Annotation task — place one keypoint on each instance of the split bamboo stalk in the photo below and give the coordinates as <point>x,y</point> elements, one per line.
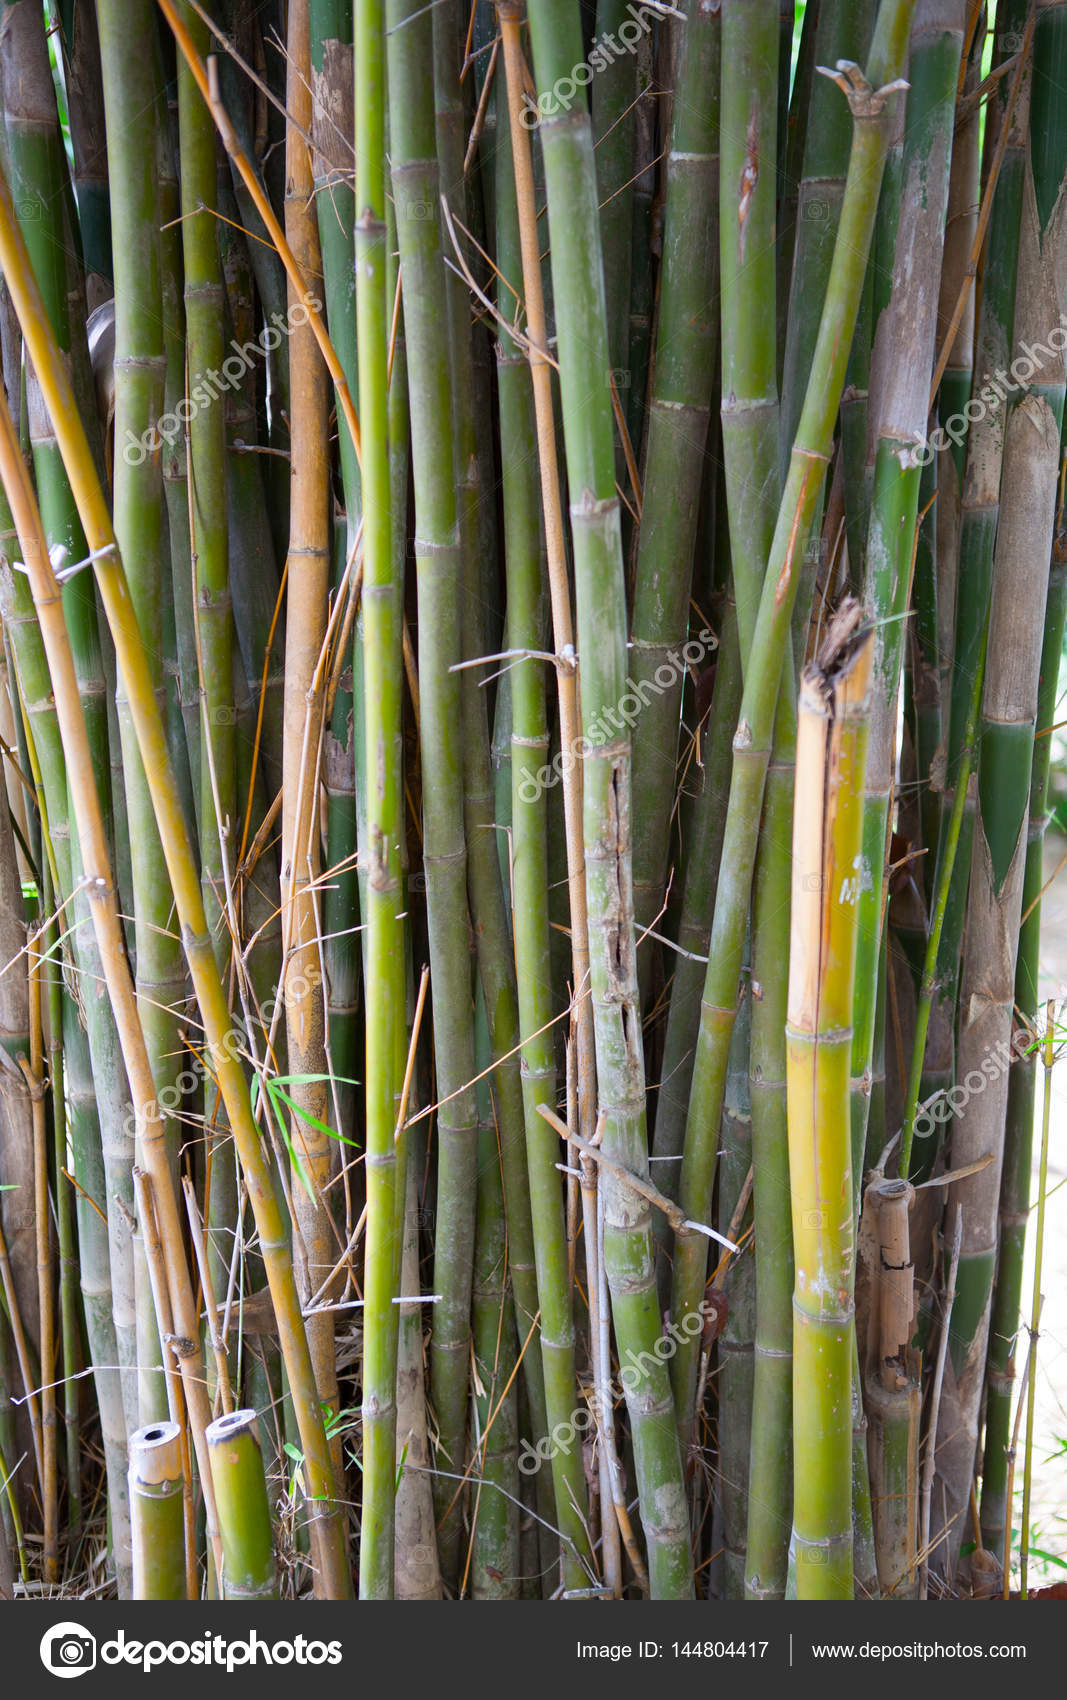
<point>831,752</point>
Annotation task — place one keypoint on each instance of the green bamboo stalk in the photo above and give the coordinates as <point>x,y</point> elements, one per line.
<point>82,62</point>
<point>156,1501</point>
<point>613,100</point>
<point>244,1515</point>
<point>902,357</point>
<point>332,127</point>
<point>67,1249</point>
<point>752,745</point>
<point>707,825</point>
<point>1022,1083</point>
<point>527,611</point>
<point>1009,707</point>
<point>679,410</point>
<point>583,356</point>
<point>415,179</point>
<point>494,1552</point>
<point>735,1345</point>
<point>129,91</point>
<point>831,753</point>
<point>384,953</point>
<point>770,1461</point>
<point>978,518</point>
<point>842,31</point>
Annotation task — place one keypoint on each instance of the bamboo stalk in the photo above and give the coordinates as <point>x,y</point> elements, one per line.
<point>157,1513</point>
<point>384,953</point>
<point>1009,706</point>
<point>586,403</point>
<point>244,1516</point>
<point>679,410</point>
<point>831,753</point>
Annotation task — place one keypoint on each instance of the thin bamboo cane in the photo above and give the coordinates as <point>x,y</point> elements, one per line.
<point>1048,1058</point>
<point>208,987</point>
<point>437,557</point>
<point>519,386</point>
<point>308,572</point>
<point>679,410</point>
<point>33,1069</point>
<point>384,954</point>
<point>752,744</point>
<point>831,753</point>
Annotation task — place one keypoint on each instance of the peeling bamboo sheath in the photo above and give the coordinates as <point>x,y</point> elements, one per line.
<point>833,722</point>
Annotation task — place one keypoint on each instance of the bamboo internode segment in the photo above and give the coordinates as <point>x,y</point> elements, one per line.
<point>157,1514</point>
<point>833,719</point>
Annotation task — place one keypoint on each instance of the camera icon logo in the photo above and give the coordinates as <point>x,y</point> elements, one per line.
<point>68,1650</point>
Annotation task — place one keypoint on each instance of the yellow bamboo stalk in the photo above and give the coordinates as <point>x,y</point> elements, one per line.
<point>827,827</point>
<point>308,571</point>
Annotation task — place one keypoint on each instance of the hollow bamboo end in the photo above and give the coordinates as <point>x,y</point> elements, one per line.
<point>155,1454</point>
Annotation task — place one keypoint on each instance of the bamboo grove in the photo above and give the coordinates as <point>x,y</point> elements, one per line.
<point>532,581</point>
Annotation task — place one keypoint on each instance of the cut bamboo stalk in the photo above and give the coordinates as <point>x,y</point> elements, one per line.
<point>892,1394</point>
<point>244,1515</point>
<point>831,753</point>
<point>156,1512</point>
